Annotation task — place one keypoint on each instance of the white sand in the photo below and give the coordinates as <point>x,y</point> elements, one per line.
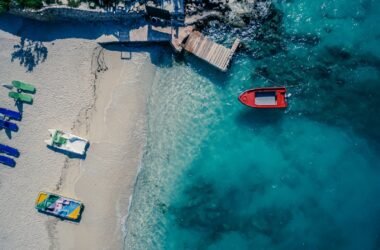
<point>117,135</point>
<point>68,89</point>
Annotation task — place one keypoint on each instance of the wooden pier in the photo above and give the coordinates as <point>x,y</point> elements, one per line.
<point>181,38</point>
<point>209,51</point>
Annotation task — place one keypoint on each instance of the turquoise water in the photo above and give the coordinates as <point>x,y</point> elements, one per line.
<point>217,175</point>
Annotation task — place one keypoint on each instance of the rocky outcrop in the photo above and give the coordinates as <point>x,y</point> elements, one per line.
<point>233,12</point>
<point>237,13</point>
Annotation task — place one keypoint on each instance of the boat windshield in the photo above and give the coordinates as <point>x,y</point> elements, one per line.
<point>265,98</point>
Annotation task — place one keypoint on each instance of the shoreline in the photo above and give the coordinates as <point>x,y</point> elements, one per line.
<point>114,156</point>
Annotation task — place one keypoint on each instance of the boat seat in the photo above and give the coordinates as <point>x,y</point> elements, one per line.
<point>58,139</point>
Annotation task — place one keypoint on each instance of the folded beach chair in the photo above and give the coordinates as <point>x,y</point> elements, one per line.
<point>11,114</point>
<point>7,161</point>
<point>8,125</point>
<point>24,86</point>
<point>21,97</point>
<point>9,150</point>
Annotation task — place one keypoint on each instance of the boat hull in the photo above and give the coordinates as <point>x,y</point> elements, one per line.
<point>56,205</point>
<point>68,142</point>
<point>264,98</point>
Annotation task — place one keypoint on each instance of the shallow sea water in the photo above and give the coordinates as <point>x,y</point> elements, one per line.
<point>218,175</point>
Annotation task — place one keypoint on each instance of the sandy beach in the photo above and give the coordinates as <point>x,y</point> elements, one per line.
<point>117,134</point>
<point>90,91</point>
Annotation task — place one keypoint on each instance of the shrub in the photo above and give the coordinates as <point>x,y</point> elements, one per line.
<point>33,4</point>
<point>4,5</point>
<point>92,5</point>
<point>73,3</point>
<point>49,1</point>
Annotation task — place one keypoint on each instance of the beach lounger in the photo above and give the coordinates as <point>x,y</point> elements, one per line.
<point>11,114</point>
<point>24,86</point>
<point>21,97</point>
<point>7,161</point>
<point>8,125</point>
<point>9,150</point>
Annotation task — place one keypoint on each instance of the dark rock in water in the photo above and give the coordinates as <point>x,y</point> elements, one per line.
<point>236,21</point>
<point>340,82</point>
<point>200,25</point>
<point>235,14</point>
<point>339,53</point>
<point>162,207</point>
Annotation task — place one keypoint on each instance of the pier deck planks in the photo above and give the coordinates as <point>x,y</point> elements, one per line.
<point>211,52</point>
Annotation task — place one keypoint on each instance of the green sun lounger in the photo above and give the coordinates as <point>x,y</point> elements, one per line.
<point>21,97</point>
<point>24,86</point>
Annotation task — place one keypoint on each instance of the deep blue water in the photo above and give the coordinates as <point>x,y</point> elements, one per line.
<point>218,175</point>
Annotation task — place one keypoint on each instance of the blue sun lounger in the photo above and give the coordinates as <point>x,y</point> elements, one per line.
<point>8,125</point>
<point>9,150</point>
<point>7,161</point>
<point>11,114</point>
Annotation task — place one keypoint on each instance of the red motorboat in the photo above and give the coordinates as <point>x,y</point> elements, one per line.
<point>264,98</point>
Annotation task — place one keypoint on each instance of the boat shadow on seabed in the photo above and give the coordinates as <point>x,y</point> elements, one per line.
<point>71,155</point>
<point>256,118</point>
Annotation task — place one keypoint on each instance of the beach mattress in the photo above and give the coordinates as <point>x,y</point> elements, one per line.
<point>9,150</point>
<point>7,161</point>
<point>11,114</point>
<point>8,125</point>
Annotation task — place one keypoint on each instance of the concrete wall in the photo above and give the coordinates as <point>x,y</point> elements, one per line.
<point>63,13</point>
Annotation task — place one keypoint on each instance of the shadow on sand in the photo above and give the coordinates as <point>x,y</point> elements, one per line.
<point>53,30</point>
<point>29,53</point>
<point>161,54</point>
<point>65,219</point>
<point>20,108</point>
<point>71,155</point>
<point>8,133</point>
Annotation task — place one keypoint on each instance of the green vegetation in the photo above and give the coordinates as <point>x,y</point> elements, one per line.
<point>33,4</point>
<point>4,5</point>
<point>73,3</point>
<point>49,1</point>
<point>92,5</point>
